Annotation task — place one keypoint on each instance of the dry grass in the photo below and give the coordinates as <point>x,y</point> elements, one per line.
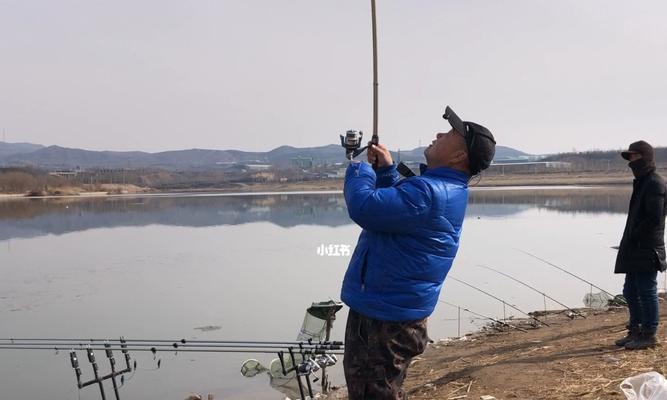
<point>571,359</point>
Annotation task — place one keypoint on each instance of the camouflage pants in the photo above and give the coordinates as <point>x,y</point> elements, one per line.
<point>378,354</point>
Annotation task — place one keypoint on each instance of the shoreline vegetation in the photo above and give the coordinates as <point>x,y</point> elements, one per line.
<point>62,188</point>
<point>66,172</point>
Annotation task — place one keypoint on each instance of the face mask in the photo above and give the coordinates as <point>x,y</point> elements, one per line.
<point>640,167</point>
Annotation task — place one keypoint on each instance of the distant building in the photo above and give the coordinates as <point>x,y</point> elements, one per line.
<point>302,162</point>
<point>69,173</point>
<point>258,167</point>
<point>245,167</point>
<point>529,167</point>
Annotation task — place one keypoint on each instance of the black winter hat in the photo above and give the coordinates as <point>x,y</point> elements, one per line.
<point>480,142</point>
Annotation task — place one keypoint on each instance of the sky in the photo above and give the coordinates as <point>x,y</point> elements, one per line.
<point>154,75</point>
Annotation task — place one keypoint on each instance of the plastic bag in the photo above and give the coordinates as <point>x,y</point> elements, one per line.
<point>646,386</point>
<point>597,301</point>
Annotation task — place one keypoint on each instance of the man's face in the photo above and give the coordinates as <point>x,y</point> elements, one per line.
<point>445,148</point>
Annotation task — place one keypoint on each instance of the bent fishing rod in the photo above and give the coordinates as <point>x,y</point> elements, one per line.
<point>497,321</point>
<point>532,288</point>
<point>564,270</point>
<point>499,299</point>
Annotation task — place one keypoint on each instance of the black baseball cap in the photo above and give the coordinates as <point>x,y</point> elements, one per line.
<point>640,147</point>
<point>480,142</point>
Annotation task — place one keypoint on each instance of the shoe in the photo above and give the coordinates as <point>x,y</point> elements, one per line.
<point>644,341</point>
<point>633,333</point>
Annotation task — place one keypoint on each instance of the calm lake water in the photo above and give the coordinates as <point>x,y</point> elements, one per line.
<point>162,266</point>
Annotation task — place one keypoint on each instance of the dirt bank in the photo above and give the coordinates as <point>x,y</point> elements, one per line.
<point>571,359</point>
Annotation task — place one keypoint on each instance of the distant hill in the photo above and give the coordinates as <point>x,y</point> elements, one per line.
<point>9,149</point>
<point>503,153</point>
<point>507,153</point>
<point>25,154</point>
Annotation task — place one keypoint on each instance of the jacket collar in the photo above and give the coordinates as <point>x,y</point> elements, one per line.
<point>444,172</point>
<point>643,176</point>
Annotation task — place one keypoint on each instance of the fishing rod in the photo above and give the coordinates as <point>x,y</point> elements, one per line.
<point>304,343</point>
<point>497,321</point>
<point>171,347</point>
<point>534,289</point>
<point>375,139</point>
<point>164,345</point>
<point>564,270</point>
<point>313,355</point>
<point>167,345</point>
<point>499,299</point>
<point>154,350</point>
<point>352,139</point>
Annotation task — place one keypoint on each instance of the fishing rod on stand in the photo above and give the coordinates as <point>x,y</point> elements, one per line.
<point>307,357</point>
<point>504,302</point>
<point>486,317</point>
<point>544,295</point>
<point>592,285</point>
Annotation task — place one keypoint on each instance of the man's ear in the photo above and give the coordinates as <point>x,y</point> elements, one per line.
<point>460,157</point>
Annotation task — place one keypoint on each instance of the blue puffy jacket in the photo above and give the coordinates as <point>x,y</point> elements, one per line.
<point>410,236</point>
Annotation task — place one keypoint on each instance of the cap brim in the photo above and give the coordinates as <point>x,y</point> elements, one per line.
<point>627,154</point>
<point>455,121</point>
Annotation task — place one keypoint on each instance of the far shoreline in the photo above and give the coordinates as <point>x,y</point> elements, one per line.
<point>563,181</point>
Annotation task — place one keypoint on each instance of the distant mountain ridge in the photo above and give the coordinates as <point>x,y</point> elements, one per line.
<point>53,157</point>
<point>8,149</point>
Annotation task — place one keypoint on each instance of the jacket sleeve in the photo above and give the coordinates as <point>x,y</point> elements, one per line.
<point>386,176</point>
<point>654,204</point>
<point>397,209</point>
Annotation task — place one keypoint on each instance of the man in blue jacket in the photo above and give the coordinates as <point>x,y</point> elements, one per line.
<point>410,236</point>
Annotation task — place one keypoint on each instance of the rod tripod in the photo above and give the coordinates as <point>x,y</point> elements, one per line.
<point>99,380</point>
<point>308,364</point>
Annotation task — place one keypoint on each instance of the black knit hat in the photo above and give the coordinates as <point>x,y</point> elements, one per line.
<point>480,142</point>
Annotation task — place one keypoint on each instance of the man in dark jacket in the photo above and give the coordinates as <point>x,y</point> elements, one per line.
<point>410,236</point>
<point>641,253</point>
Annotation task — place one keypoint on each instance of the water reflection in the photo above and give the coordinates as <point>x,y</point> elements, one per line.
<point>35,217</point>
<point>595,200</point>
<point>25,218</point>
